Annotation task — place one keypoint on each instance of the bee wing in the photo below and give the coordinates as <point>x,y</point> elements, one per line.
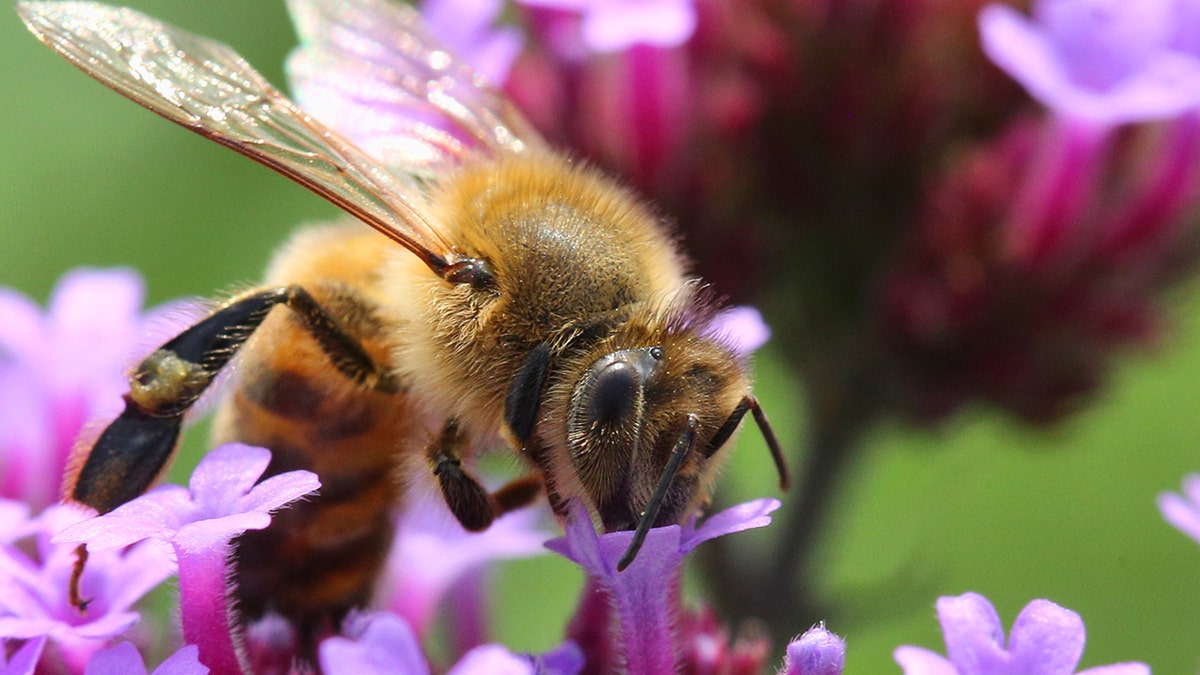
<point>373,69</point>
<point>205,86</point>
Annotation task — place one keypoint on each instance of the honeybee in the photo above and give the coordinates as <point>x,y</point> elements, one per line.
<point>532,303</point>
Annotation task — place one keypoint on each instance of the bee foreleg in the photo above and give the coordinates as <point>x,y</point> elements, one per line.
<point>525,393</point>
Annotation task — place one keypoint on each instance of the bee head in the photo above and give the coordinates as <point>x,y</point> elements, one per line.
<point>645,427</point>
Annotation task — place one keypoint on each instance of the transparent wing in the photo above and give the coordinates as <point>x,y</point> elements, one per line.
<point>205,86</point>
<point>373,69</point>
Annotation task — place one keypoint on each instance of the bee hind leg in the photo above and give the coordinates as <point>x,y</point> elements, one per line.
<point>470,502</point>
<point>133,450</point>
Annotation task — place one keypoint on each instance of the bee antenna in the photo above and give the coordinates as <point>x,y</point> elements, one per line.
<point>683,448</point>
<point>748,404</point>
<point>768,434</point>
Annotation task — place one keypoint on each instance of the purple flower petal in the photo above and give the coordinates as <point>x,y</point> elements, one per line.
<point>34,583</point>
<point>124,659</point>
<point>921,661</point>
<point>1047,638</point>
<point>972,630</point>
<point>468,28</point>
<point>186,661</point>
<point>498,660</point>
<point>745,516</point>
<point>565,659</point>
<point>492,659</point>
<point>817,652</point>
<point>1104,60</point>
<point>614,25</point>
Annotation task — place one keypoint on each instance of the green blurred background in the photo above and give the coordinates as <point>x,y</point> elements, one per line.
<point>1067,514</point>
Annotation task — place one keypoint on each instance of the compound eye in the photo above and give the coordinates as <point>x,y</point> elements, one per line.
<point>614,394</point>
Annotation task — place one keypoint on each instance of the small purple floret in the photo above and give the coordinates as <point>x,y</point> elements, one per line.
<point>1183,511</point>
<point>223,499</point>
<point>1045,640</point>
<point>383,643</point>
<point>615,25</point>
<point>34,581</point>
<point>644,595</point>
<point>66,366</point>
<point>1110,61</point>
<point>742,327</point>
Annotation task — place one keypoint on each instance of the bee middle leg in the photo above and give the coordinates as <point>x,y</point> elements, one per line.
<point>471,503</point>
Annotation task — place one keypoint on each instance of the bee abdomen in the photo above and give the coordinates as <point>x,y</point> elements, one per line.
<point>320,557</point>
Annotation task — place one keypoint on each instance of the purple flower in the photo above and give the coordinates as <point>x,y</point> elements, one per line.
<point>1110,61</point>
<point>427,531</point>
<point>742,328</point>
<point>1183,511</point>
<point>223,499</point>
<point>383,643</point>
<point>34,586</point>
<point>468,28</point>
<point>817,652</point>
<point>644,596</point>
<point>615,25</point>
<point>124,659</point>
<point>1046,640</point>
<point>64,367</point>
